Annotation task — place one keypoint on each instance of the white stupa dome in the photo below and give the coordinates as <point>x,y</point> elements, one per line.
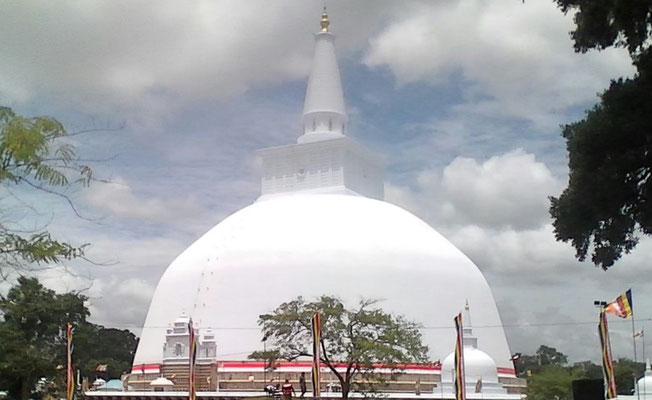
<point>480,371</point>
<point>645,383</point>
<point>477,365</point>
<point>320,228</point>
<point>313,244</point>
<point>161,382</point>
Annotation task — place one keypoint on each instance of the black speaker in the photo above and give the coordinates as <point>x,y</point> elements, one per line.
<point>588,389</point>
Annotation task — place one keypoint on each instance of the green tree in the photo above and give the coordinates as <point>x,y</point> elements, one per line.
<point>551,381</point>
<point>32,342</point>
<point>96,346</point>
<point>602,24</point>
<point>270,357</point>
<point>627,372</point>
<point>550,356</point>
<point>35,153</point>
<point>526,363</point>
<point>358,340</point>
<point>545,355</point>
<point>588,369</point>
<point>607,204</point>
<point>32,339</point>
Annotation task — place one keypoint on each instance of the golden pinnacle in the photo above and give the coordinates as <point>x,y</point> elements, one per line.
<point>324,21</point>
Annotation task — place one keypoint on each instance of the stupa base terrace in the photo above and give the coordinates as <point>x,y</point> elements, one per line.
<point>246,379</point>
<point>248,395</point>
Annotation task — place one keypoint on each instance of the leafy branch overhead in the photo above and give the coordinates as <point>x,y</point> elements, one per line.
<point>602,24</point>
<point>29,151</point>
<point>354,341</point>
<point>608,202</point>
<point>36,153</point>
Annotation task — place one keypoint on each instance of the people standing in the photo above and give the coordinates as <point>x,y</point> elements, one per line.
<point>287,390</point>
<point>277,392</point>
<point>302,384</point>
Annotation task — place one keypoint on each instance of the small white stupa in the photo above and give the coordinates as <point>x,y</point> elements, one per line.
<point>161,384</point>
<point>481,377</point>
<point>644,385</point>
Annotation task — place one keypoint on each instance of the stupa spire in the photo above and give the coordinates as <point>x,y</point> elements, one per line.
<point>324,114</point>
<point>469,339</point>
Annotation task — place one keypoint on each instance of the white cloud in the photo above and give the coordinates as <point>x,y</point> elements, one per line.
<point>118,198</point>
<point>509,190</point>
<point>516,59</point>
<point>130,55</point>
<point>132,254</point>
<point>123,303</point>
<point>496,212</point>
<point>516,253</point>
<point>134,51</point>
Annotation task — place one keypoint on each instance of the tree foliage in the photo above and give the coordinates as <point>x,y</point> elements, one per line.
<point>608,201</point>
<point>109,348</point>
<point>550,356</point>
<point>626,373</point>
<point>270,357</point>
<point>549,376</point>
<point>604,23</point>
<point>35,154</point>
<point>589,370</point>
<point>31,335</point>
<point>544,355</point>
<point>354,341</point>
<point>551,382</point>
<point>32,338</point>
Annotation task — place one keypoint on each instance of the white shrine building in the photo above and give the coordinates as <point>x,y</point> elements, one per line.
<point>319,227</point>
<point>643,387</point>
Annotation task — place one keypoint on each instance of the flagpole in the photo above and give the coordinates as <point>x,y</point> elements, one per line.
<point>638,392</point>
<point>463,360</point>
<point>643,336</point>
<point>316,355</point>
<point>605,376</point>
<point>70,376</point>
<point>460,378</point>
<point>192,358</point>
<point>644,359</point>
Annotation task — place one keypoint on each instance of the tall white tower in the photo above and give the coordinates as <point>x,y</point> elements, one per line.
<point>324,160</point>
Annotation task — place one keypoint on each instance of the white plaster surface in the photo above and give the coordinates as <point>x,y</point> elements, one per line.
<point>324,114</point>
<point>313,244</point>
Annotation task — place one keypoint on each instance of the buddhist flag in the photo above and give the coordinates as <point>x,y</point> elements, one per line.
<point>316,340</point>
<point>70,376</point>
<point>607,364</point>
<point>192,356</point>
<point>622,306</point>
<point>460,390</point>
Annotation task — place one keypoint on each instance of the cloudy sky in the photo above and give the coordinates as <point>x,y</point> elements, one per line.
<point>463,98</point>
